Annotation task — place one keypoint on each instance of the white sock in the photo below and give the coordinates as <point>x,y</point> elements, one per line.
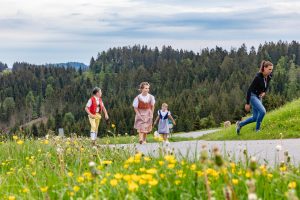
<point>93,135</point>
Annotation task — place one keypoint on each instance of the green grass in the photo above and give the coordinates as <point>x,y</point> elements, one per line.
<point>60,169</point>
<point>134,139</point>
<point>281,123</point>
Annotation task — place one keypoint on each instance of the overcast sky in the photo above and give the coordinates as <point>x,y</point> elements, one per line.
<point>51,31</point>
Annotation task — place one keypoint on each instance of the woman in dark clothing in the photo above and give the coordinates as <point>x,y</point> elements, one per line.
<point>256,92</point>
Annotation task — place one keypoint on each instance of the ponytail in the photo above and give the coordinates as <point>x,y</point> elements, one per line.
<point>264,64</point>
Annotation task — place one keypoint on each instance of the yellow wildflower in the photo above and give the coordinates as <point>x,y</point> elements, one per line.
<point>193,167</point>
<point>142,182</point>
<point>106,162</point>
<point>132,186</point>
<point>171,166</point>
<point>80,179</point>
<point>76,188</point>
<point>153,182</point>
<point>44,189</point>
<point>162,176</point>
<point>70,174</point>
<point>118,176</point>
<point>177,182</point>
<point>146,158</point>
<point>151,171</point>
<point>292,185</point>
<point>113,182</point>
<point>103,181</point>
<point>25,190</point>
<point>135,177</point>
<point>11,197</point>
<point>235,181</point>
<point>161,163</point>
<point>20,142</point>
<point>126,177</point>
<point>15,137</point>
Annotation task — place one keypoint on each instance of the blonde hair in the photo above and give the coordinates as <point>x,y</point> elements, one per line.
<point>264,64</point>
<point>164,104</point>
<point>142,85</point>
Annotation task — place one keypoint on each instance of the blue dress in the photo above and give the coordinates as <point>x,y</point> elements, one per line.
<point>163,125</point>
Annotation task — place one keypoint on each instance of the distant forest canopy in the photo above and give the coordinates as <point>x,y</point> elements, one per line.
<point>202,89</point>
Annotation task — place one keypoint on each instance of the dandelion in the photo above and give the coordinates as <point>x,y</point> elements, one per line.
<point>153,182</point>
<point>70,174</point>
<point>171,166</point>
<point>151,171</point>
<point>20,142</point>
<point>135,177</point>
<point>132,186</point>
<point>235,181</point>
<point>162,176</point>
<point>80,179</point>
<point>161,163</point>
<point>44,189</point>
<point>15,137</point>
<point>142,169</point>
<point>113,182</point>
<point>193,167</point>
<point>71,194</point>
<point>11,198</point>
<point>147,159</point>
<point>76,188</point>
<point>292,185</point>
<point>177,182</point>
<point>106,162</point>
<point>113,125</point>
<point>270,176</point>
<point>142,182</point>
<point>127,177</point>
<point>25,190</point>
<point>118,176</point>
<point>103,181</point>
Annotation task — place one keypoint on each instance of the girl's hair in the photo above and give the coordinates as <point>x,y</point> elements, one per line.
<point>264,64</point>
<point>96,90</point>
<point>142,85</point>
<point>164,104</point>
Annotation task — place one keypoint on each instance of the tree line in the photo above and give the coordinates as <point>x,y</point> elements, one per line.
<point>202,89</point>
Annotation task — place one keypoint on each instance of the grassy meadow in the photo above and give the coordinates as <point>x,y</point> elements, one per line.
<point>71,168</point>
<point>277,124</point>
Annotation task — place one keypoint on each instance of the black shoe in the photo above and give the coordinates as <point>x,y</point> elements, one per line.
<point>238,128</point>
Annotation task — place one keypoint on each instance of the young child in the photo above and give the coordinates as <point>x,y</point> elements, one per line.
<point>144,107</point>
<point>163,126</point>
<point>94,108</point>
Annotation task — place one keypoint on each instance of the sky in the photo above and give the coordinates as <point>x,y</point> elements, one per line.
<point>54,31</point>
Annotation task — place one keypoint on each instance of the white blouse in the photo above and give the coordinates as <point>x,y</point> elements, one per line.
<point>146,99</point>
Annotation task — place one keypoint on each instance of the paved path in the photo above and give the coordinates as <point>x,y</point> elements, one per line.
<point>195,134</point>
<point>264,150</point>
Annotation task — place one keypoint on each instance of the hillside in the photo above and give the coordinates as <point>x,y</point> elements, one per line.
<point>202,89</point>
<point>283,122</point>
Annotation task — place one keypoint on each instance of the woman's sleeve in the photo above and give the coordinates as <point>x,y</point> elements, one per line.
<point>251,88</point>
<point>135,102</point>
<point>153,101</point>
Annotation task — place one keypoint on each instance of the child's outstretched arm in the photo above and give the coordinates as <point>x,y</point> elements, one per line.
<point>105,113</point>
<point>155,120</point>
<point>173,121</point>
